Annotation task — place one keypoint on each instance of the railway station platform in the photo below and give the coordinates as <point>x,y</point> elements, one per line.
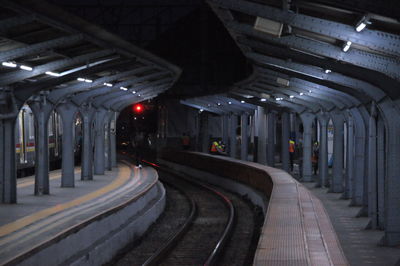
<point>87,224</point>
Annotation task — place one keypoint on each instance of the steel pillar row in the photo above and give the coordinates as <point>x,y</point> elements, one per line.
<point>285,141</point>
<point>8,169</point>
<point>244,151</point>
<point>232,136</point>
<point>88,114</point>
<point>307,119</point>
<point>350,158</point>
<point>338,140</point>
<point>99,144</point>
<point>323,178</point>
<point>271,117</point>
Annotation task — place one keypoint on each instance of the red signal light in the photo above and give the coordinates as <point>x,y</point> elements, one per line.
<point>138,108</point>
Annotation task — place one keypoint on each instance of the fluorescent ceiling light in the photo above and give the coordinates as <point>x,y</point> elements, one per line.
<point>88,80</point>
<point>9,64</point>
<point>201,110</point>
<point>53,74</point>
<point>134,92</point>
<point>310,91</point>
<point>361,26</point>
<point>346,47</point>
<point>218,104</point>
<point>138,95</point>
<point>27,68</point>
<point>279,99</point>
<point>242,101</point>
<point>80,79</point>
<point>107,84</point>
<point>263,100</point>
<point>123,88</point>
<point>291,96</point>
<point>229,102</point>
<point>301,94</point>
<point>327,71</point>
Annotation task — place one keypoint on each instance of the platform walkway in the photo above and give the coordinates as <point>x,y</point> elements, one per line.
<point>359,245</point>
<point>36,222</point>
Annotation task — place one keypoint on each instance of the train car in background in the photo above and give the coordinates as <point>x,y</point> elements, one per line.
<point>25,140</point>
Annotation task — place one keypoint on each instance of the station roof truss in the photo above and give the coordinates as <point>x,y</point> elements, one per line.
<point>45,50</point>
<point>313,57</point>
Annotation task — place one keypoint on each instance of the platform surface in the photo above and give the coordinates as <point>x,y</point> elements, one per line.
<point>359,245</point>
<point>37,219</point>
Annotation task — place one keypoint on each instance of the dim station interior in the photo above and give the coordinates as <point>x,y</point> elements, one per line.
<point>199,132</point>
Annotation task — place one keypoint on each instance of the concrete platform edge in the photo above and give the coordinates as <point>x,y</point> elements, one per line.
<point>99,241</point>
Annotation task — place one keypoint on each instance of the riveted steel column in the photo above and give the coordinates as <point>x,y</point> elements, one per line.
<point>232,136</point>
<point>99,156</point>
<point>349,158</point>
<point>67,112</point>
<point>225,129</point>
<point>322,180</point>
<point>262,136</point>
<point>359,162</point>
<point>113,141</point>
<point>87,145</point>
<point>392,186</point>
<point>41,110</point>
<point>8,178</point>
<point>381,158</point>
<point>271,139</point>
<point>338,140</point>
<point>244,151</point>
<point>109,122</point>
<point>285,141</point>
<point>372,189</point>
<point>307,119</point>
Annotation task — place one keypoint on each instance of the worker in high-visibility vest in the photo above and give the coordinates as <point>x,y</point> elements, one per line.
<point>217,148</point>
<point>291,153</point>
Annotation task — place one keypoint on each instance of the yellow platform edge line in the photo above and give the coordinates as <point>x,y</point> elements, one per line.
<point>124,174</point>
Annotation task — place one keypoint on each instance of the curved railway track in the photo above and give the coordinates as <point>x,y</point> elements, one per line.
<point>201,230</point>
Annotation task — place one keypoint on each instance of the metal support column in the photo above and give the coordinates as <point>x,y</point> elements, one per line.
<point>322,180</point>
<point>245,137</point>
<point>372,189</point>
<point>338,155</point>
<point>113,140</point>
<point>232,136</point>
<point>285,141</point>
<point>381,171</point>
<point>67,111</point>
<point>262,136</point>
<point>348,187</point>
<point>99,150</point>
<point>225,129</point>
<point>271,139</point>
<point>8,174</point>
<point>307,119</point>
<point>359,162</point>
<point>87,113</point>
<point>41,109</point>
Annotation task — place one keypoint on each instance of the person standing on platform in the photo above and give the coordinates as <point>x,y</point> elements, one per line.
<point>291,153</point>
<point>185,141</point>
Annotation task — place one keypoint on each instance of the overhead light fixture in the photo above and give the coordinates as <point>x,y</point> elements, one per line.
<point>268,26</point>
<point>279,99</point>
<point>310,91</point>
<point>134,92</point>
<point>283,82</point>
<point>242,101</point>
<point>362,23</point>
<point>138,95</point>
<point>346,46</point>
<point>107,84</point>
<point>9,64</point>
<point>327,71</point>
<point>88,80</point>
<point>229,102</point>
<point>27,68</point>
<point>201,110</point>
<point>123,88</point>
<point>80,79</point>
<point>361,26</point>
<point>291,96</point>
<point>301,94</point>
<point>53,74</point>
<point>263,100</point>
<point>218,104</point>
<point>208,105</point>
